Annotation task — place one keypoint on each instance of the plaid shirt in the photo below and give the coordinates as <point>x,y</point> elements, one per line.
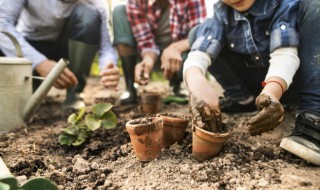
<point>143,16</point>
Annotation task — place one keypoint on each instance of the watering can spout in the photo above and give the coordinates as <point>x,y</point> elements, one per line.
<point>37,97</point>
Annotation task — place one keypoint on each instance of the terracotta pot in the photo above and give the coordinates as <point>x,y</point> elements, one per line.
<point>174,128</point>
<point>205,144</point>
<point>151,102</point>
<point>146,137</point>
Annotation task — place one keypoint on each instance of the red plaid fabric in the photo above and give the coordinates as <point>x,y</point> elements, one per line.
<point>143,16</point>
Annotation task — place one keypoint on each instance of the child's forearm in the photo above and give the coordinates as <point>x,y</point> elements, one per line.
<point>274,86</point>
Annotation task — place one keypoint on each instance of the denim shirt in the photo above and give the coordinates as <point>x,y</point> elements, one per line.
<point>266,26</point>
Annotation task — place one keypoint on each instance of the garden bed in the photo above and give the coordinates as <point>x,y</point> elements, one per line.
<point>107,161</point>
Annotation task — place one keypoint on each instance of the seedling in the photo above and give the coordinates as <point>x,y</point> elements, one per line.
<point>79,129</point>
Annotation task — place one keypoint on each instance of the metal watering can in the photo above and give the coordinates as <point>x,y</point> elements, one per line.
<point>17,103</point>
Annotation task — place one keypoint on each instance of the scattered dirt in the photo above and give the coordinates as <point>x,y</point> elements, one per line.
<point>107,161</point>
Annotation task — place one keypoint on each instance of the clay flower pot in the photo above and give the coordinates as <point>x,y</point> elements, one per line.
<point>174,128</point>
<point>146,137</point>
<point>151,102</point>
<point>205,144</point>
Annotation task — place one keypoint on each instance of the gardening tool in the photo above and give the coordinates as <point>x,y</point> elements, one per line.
<point>9,182</point>
<point>17,103</point>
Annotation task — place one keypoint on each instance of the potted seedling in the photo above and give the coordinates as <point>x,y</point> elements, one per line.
<point>80,128</point>
<point>209,133</point>
<point>174,127</point>
<point>146,137</point>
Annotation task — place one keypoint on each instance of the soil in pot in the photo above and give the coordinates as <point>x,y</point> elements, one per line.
<point>146,137</point>
<point>209,133</point>
<point>174,128</point>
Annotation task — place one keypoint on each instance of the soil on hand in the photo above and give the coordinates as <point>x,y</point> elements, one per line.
<point>107,161</point>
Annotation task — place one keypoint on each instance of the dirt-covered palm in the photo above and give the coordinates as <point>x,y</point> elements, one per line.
<point>205,116</point>
<point>268,118</point>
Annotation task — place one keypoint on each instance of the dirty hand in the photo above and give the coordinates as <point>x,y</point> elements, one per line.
<point>268,118</point>
<point>171,61</point>
<point>142,72</point>
<point>110,76</point>
<point>205,116</point>
<point>65,80</point>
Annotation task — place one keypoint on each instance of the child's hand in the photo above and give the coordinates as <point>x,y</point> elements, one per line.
<point>268,118</point>
<point>205,116</point>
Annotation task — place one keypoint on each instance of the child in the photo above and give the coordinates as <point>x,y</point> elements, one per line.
<point>272,42</point>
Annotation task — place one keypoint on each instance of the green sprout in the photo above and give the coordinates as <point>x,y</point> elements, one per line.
<point>79,129</point>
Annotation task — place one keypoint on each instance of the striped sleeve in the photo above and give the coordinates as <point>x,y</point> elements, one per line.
<point>9,15</point>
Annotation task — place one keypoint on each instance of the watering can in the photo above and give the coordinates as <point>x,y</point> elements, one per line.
<point>17,103</point>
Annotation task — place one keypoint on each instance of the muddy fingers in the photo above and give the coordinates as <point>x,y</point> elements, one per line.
<point>268,118</point>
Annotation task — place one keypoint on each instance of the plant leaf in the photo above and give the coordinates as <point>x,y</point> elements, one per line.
<point>66,139</point>
<point>100,109</point>
<point>74,118</point>
<point>92,122</point>
<point>109,120</point>
<point>71,130</point>
<point>83,135</point>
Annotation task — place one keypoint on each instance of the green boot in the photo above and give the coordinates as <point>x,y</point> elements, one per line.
<point>81,56</point>
<point>128,65</point>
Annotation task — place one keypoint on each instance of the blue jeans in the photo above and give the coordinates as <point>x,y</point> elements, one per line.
<point>239,80</point>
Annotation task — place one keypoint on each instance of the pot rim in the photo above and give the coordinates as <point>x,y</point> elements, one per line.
<point>155,121</point>
<point>210,136</point>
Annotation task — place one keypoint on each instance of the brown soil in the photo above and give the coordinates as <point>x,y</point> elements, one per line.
<point>107,161</point>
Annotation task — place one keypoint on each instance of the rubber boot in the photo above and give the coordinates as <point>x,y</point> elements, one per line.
<point>128,65</point>
<point>175,86</point>
<point>81,56</point>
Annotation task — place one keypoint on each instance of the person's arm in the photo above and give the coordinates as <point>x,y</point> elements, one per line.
<point>194,71</point>
<point>284,63</point>
<point>109,71</point>
<point>137,16</point>
<point>171,60</point>
<point>9,15</point>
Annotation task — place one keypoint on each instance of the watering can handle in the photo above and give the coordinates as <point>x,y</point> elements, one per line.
<point>15,43</point>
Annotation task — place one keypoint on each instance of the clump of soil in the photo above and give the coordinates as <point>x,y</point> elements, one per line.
<point>207,117</point>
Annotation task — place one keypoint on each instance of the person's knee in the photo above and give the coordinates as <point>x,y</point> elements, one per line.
<point>86,17</point>
<point>119,12</point>
<point>121,27</point>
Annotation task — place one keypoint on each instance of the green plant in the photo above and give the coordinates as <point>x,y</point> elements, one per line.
<point>79,129</point>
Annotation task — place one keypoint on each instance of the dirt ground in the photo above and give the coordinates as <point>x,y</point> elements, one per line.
<point>107,161</point>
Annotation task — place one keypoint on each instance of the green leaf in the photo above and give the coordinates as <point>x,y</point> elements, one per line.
<point>100,109</point>
<point>83,135</point>
<point>4,186</point>
<point>39,184</point>
<point>92,122</point>
<point>74,118</point>
<point>71,130</point>
<point>66,139</point>
<point>109,120</point>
